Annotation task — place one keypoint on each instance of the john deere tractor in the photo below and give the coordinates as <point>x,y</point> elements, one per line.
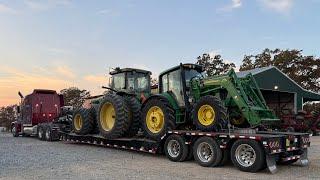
<point>188,100</point>
<point>116,113</point>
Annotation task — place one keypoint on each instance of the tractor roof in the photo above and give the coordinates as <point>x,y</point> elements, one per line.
<point>118,70</point>
<point>187,65</point>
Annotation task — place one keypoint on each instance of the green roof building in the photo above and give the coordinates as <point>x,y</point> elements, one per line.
<point>282,94</point>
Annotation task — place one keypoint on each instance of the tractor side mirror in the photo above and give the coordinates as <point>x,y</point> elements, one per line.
<point>18,109</point>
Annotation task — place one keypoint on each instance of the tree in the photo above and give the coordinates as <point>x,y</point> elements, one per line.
<point>305,70</point>
<point>7,115</point>
<point>75,97</point>
<point>214,66</point>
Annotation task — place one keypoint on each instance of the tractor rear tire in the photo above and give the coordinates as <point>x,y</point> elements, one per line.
<point>207,152</point>
<point>176,149</point>
<point>158,117</point>
<point>83,121</point>
<point>209,114</point>
<point>135,115</point>
<point>113,116</point>
<point>248,155</point>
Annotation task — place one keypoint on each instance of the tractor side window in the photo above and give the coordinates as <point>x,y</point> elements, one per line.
<point>142,82</point>
<point>119,82</point>
<point>175,86</point>
<point>164,83</point>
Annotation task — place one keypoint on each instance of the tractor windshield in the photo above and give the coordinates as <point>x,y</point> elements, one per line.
<point>118,81</point>
<point>138,82</point>
<point>190,74</point>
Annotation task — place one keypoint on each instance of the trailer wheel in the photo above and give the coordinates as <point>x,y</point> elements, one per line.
<point>41,132</point>
<point>48,133</point>
<point>83,121</point>
<point>206,152</point>
<point>14,131</point>
<point>113,116</point>
<point>247,155</point>
<point>175,148</point>
<point>209,114</point>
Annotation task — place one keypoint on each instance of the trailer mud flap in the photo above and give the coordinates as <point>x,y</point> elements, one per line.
<point>271,163</point>
<point>304,161</point>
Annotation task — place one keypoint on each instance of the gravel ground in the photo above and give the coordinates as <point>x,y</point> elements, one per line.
<point>29,158</point>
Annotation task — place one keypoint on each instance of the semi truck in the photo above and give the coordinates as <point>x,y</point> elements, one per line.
<point>191,117</point>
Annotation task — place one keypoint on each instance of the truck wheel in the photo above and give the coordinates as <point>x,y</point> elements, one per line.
<point>247,155</point>
<point>48,134</point>
<point>113,116</point>
<point>206,152</point>
<point>209,114</point>
<point>41,132</point>
<point>135,115</point>
<point>83,121</point>
<point>14,131</point>
<point>175,148</point>
<point>157,118</point>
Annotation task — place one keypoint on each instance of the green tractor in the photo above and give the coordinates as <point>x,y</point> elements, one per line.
<point>117,113</point>
<point>188,100</point>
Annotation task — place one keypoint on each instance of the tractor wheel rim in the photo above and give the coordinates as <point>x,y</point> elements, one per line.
<point>245,155</point>
<point>206,115</point>
<point>155,119</point>
<point>78,122</point>
<point>205,152</point>
<point>173,148</point>
<point>107,116</point>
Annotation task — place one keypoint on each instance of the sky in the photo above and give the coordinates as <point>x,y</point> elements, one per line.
<point>56,44</point>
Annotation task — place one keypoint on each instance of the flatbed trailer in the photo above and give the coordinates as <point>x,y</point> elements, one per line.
<point>249,150</point>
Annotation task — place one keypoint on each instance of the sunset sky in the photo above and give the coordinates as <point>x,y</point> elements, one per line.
<point>55,44</point>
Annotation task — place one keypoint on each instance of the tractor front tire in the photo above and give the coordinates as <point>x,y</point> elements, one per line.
<point>209,114</point>
<point>83,121</point>
<point>14,131</point>
<point>41,132</point>
<point>113,116</point>
<point>48,133</point>
<point>157,118</point>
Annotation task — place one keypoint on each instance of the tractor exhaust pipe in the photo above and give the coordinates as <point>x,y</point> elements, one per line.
<point>20,94</point>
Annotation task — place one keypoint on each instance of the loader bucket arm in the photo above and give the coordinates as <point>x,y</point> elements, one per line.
<point>245,94</point>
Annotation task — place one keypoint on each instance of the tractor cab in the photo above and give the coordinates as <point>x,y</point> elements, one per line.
<point>131,81</point>
<point>176,82</point>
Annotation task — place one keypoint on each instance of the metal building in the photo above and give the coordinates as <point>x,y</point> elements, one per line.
<point>282,94</point>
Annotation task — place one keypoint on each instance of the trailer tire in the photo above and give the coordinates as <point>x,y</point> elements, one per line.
<point>206,152</point>
<point>135,115</point>
<point>83,121</point>
<point>190,154</point>
<point>243,148</point>
<point>158,117</point>
<point>209,114</point>
<point>40,132</point>
<point>113,116</point>
<point>175,148</point>
<point>225,157</point>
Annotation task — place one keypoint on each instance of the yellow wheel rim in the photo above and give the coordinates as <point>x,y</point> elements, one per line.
<point>107,116</point>
<point>78,122</point>
<point>206,115</point>
<point>155,119</point>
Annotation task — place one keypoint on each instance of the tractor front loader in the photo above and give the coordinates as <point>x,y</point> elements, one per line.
<point>188,100</point>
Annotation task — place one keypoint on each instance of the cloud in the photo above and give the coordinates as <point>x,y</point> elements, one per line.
<point>45,4</point>
<point>6,9</point>
<point>235,4</point>
<point>281,6</point>
<point>65,71</point>
<point>109,12</point>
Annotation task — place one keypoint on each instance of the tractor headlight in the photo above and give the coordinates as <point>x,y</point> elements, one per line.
<point>191,99</point>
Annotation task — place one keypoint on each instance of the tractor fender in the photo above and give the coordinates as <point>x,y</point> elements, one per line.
<point>155,96</point>
<point>166,97</point>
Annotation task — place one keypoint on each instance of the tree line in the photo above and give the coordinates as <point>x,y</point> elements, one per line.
<point>305,70</point>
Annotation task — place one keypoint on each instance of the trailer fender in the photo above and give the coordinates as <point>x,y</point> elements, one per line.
<point>271,163</point>
<point>304,161</point>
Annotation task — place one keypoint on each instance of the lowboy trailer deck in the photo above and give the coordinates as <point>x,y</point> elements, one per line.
<point>249,150</point>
